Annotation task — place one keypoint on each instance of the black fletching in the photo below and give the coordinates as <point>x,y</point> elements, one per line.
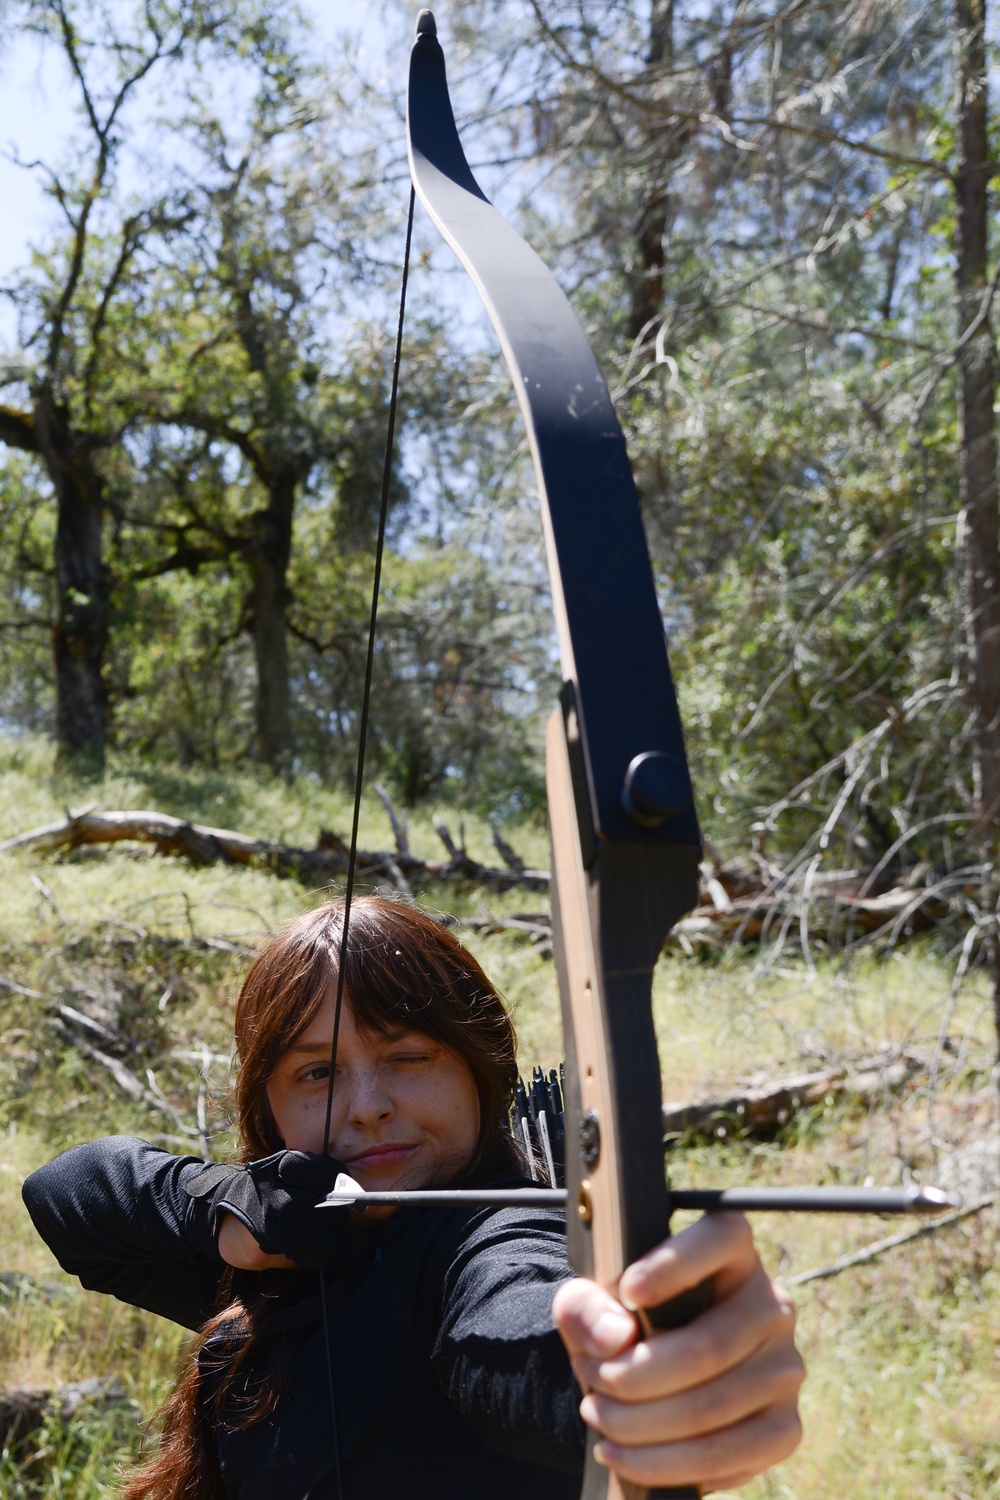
<point>537,1121</point>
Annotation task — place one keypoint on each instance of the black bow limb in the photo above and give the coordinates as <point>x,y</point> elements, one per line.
<point>625,841</point>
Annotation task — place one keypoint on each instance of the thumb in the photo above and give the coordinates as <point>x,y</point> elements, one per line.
<point>593,1324</point>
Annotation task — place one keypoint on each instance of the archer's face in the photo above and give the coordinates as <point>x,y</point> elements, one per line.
<point>405,1108</point>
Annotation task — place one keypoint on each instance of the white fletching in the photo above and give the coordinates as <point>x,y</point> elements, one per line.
<point>345,1190</point>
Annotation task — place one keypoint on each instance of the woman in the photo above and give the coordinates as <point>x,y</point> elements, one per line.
<point>438,1351</point>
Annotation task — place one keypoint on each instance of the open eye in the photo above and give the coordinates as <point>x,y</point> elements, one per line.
<point>317,1072</point>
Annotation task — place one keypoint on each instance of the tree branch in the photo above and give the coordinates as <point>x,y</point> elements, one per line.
<point>724,127</point>
<point>873,1251</point>
<point>832,329</point>
<point>17,430</point>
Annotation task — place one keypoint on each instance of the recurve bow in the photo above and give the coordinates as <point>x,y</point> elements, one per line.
<point>625,841</point>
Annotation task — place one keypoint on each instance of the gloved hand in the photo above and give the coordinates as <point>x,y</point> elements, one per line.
<point>275,1199</point>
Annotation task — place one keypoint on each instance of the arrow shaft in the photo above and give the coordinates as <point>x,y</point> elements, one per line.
<point>705,1200</point>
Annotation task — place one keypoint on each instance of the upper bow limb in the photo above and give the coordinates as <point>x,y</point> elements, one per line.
<point>625,839</point>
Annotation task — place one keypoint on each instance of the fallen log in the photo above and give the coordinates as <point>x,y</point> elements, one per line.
<point>762,1108</point>
<point>535,926</point>
<point>736,906</point>
<point>203,845</point>
<point>23,1409</point>
<point>148,1094</point>
<point>22,1412</point>
<point>18,1286</point>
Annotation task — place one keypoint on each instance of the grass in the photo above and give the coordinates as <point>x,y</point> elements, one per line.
<point>903,1395</point>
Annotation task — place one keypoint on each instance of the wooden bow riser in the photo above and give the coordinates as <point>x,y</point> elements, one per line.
<point>609,924</point>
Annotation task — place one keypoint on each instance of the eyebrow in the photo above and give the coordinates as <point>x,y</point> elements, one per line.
<point>325,1047</point>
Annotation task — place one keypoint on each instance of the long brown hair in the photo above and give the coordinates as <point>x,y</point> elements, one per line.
<point>402,967</point>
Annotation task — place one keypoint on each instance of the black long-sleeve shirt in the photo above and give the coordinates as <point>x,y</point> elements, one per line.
<point>449,1376</point>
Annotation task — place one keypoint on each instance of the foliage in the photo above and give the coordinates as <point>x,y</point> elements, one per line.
<point>752,210</point>
<point>771,193</point>
<point>236,411</point>
<point>26,581</point>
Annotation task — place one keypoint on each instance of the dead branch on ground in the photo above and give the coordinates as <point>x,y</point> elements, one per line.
<point>149,1094</point>
<point>879,1247</point>
<point>203,845</point>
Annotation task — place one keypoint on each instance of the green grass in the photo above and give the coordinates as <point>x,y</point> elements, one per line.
<point>903,1396</point>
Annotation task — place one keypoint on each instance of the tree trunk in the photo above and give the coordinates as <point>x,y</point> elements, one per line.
<point>81,632</point>
<point>977,386</point>
<point>655,208</point>
<point>267,552</point>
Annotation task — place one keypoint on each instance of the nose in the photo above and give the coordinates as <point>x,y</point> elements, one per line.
<point>367,1101</point>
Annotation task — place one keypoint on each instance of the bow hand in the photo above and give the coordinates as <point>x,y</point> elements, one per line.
<point>713,1403</point>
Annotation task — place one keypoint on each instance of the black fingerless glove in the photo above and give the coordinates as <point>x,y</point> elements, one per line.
<point>276,1199</point>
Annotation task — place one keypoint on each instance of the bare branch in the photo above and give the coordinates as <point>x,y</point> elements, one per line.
<point>400,831</point>
<point>764,123</point>
<point>872,1252</point>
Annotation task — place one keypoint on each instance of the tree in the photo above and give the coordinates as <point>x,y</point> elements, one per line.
<point>75,403</point>
<point>977,367</point>
<point>248,359</point>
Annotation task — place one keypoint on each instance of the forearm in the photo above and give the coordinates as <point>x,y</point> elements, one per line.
<point>115,1214</point>
<point>239,1249</point>
<point>498,1354</point>
<point>521,1397</point>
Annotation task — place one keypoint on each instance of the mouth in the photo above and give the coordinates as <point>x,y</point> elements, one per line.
<point>380,1158</point>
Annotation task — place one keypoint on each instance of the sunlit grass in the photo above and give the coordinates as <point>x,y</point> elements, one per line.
<point>903,1396</point>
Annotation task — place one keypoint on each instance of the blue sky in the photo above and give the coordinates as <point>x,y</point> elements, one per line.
<point>36,111</point>
<point>37,117</point>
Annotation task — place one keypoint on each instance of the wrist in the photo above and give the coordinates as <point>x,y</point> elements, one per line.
<point>238,1248</point>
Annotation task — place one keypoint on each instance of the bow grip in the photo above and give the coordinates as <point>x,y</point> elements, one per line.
<point>674,1314</point>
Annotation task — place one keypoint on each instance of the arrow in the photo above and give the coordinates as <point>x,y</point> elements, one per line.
<point>813,1200</point>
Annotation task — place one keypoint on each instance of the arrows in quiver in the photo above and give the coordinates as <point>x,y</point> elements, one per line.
<point>537,1122</point>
